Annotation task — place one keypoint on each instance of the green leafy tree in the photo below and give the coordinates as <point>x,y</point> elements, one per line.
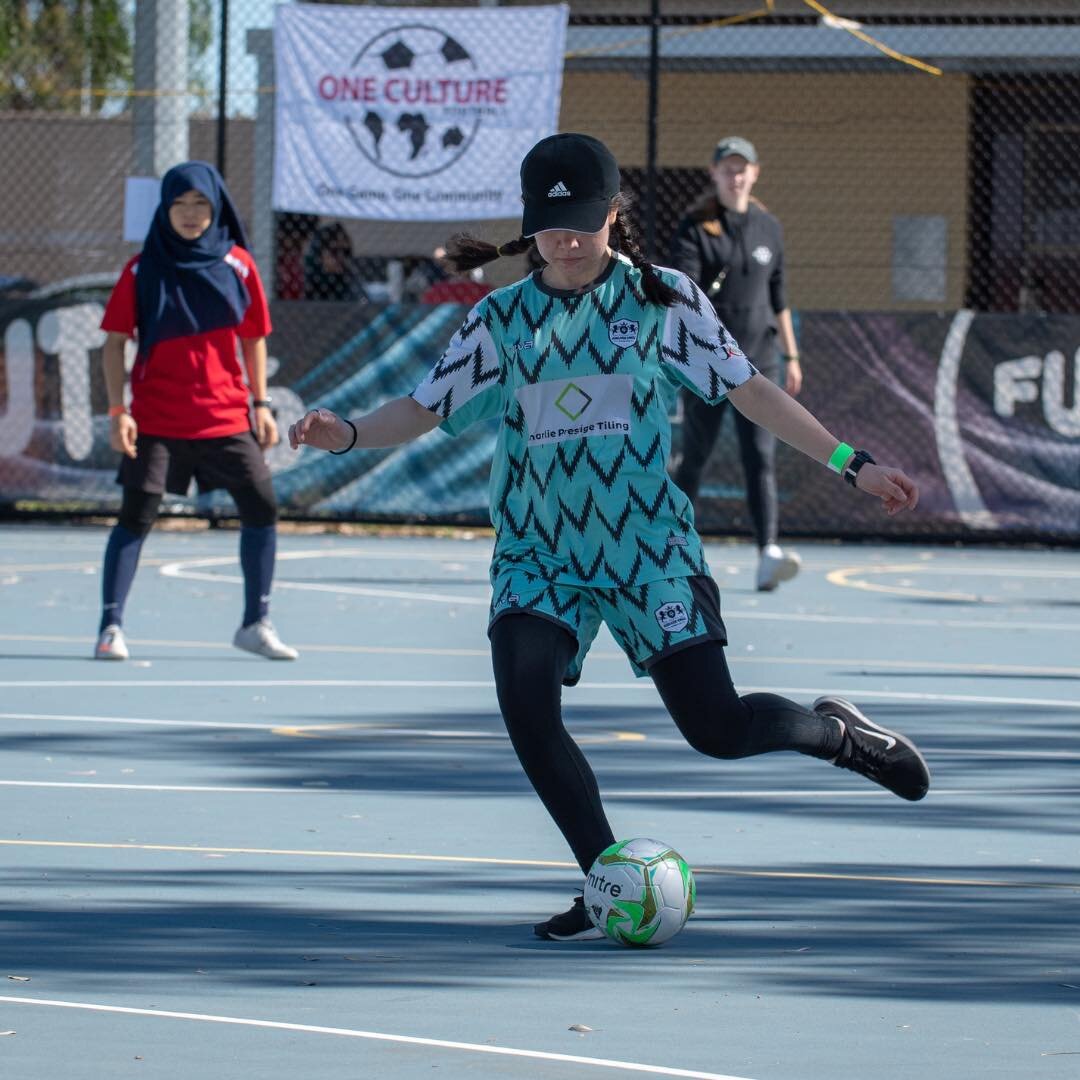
<point>61,55</point>
<point>71,55</point>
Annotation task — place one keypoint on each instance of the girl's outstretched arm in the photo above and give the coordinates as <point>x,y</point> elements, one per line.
<point>398,421</point>
<point>763,402</point>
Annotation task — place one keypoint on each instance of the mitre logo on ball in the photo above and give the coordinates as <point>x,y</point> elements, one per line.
<point>414,99</point>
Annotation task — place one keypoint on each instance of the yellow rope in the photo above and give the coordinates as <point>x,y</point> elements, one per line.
<point>731,20</point>
<point>880,45</point>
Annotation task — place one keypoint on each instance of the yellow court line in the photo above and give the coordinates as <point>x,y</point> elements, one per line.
<point>336,730</point>
<point>485,860</point>
<point>843,577</point>
<point>750,658</point>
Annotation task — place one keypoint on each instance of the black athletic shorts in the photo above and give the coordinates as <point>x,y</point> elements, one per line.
<point>160,465</point>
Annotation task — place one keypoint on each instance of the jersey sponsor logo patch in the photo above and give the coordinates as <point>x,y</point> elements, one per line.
<point>560,409</point>
<point>623,333</point>
<point>762,254</point>
<point>672,616</point>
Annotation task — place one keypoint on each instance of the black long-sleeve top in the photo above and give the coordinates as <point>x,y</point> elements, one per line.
<point>738,260</point>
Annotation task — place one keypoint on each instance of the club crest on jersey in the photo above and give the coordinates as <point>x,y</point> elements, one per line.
<point>623,333</point>
<point>672,616</point>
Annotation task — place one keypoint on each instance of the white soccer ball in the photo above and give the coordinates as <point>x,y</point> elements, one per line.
<point>640,892</point>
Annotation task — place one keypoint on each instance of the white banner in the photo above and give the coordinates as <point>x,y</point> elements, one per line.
<point>412,114</point>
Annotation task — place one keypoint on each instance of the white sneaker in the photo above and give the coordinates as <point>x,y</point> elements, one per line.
<point>261,639</point>
<point>776,565</point>
<point>111,644</point>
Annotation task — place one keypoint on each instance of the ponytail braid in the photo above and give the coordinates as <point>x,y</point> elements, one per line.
<point>624,235</point>
<point>465,252</point>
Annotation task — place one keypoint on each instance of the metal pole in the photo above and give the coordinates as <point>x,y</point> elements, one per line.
<point>160,112</point>
<point>654,108</point>
<point>223,72</point>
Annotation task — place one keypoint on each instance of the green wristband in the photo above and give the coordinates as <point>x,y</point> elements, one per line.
<point>840,457</point>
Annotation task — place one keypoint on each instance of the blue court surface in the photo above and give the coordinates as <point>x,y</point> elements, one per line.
<point>216,866</point>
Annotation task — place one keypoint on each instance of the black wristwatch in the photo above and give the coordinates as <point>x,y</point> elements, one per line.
<point>856,462</point>
<point>261,403</point>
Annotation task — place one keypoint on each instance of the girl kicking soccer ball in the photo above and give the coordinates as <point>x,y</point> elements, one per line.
<point>589,527</point>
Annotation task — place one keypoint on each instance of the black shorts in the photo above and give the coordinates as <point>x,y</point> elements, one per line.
<point>230,462</point>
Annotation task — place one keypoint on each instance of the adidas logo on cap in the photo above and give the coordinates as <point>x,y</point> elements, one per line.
<point>560,190</point>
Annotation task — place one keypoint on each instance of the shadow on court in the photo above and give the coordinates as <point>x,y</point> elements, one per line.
<point>833,937</point>
<point>973,752</point>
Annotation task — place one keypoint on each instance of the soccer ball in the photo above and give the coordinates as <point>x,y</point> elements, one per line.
<point>639,892</point>
<point>422,119</point>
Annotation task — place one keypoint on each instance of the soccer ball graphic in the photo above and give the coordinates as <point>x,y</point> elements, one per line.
<point>424,120</point>
<point>640,892</point>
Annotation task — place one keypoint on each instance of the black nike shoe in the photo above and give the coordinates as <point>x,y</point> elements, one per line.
<point>572,925</point>
<point>884,756</point>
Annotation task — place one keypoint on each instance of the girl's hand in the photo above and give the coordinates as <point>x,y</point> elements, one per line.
<point>123,431</point>
<point>322,429</point>
<point>266,431</point>
<point>895,488</point>
<point>793,377</point>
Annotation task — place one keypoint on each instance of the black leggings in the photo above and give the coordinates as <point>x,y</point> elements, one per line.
<point>255,504</point>
<point>757,449</point>
<point>530,655</point>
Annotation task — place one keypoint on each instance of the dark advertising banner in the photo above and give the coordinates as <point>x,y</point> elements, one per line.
<point>983,410</point>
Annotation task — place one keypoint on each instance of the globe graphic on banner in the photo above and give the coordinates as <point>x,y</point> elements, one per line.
<point>423,119</point>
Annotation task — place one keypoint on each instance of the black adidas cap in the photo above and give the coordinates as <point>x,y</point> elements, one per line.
<point>568,182</point>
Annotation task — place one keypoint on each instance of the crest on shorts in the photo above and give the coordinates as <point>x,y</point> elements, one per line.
<point>623,332</point>
<point>672,616</point>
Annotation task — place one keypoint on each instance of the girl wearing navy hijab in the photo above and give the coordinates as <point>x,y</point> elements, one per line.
<point>186,300</point>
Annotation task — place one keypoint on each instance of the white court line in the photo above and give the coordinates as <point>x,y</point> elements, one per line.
<point>466,684</point>
<point>180,569</point>
<point>411,1040</point>
<point>183,569</point>
<point>613,793</point>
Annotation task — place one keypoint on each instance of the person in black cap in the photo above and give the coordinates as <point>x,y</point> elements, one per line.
<point>731,246</point>
<point>589,528</point>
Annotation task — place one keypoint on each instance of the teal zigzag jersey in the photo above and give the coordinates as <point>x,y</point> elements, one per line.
<point>579,489</point>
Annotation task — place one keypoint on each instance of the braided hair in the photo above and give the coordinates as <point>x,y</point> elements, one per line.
<point>465,252</point>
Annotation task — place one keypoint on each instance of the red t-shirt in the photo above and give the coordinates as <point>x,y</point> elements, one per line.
<point>191,387</point>
<point>454,291</point>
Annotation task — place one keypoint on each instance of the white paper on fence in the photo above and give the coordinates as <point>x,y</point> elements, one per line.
<point>141,197</point>
<point>411,114</point>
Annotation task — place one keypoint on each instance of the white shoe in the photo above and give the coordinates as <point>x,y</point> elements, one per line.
<point>261,639</point>
<point>776,565</point>
<point>111,644</point>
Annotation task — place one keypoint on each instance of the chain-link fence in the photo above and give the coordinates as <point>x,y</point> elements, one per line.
<point>920,162</point>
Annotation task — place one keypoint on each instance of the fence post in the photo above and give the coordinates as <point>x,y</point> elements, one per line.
<point>160,108</point>
<point>223,74</point>
<point>650,153</point>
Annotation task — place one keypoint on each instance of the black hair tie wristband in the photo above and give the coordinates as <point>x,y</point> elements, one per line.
<point>354,435</point>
